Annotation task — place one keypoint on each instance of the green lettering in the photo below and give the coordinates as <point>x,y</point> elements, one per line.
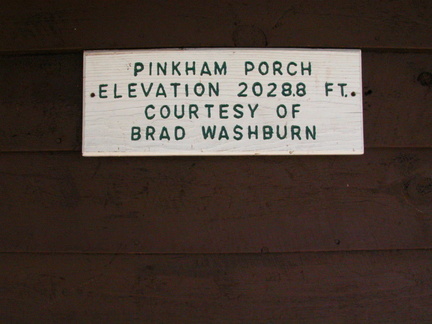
<point>238,134</point>
<point>249,66</point>
<point>165,111</point>
<point>311,133</point>
<point>278,132</point>
<point>223,134</point>
<point>199,89</point>
<point>146,92</point>
<point>175,68</point>
<point>193,111</point>
<point>179,133</point>
<point>161,91</point>
<point>205,69</point>
<point>161,69</point>
<point>294,110</point>
<point>295,131</point>
<point>190,68</point>
<point>175,85</point>
<point>138,67</point>
<point>101,91</point>
<point>253,110</point>
<point>135,133</point>
<point>267,132</point>
<point>209,107</point>
<point>308,68</point>
<point>265,70</point>
<point>146,112</point>
<point>289,68</point>
<point>328,88</point>
<point>223,112</point>
<point>214,89</point>
<point>220,69</point>
<point>342,85</point>
<point>116,96</point>
<point>177,114</point>
<point>131,90</point>
<point>164,134</point>
<point>238,111</point>
<point>208,132</point>
<point>252,132</point>
<point>281,111</point>
<point>150,132</point>
<point>277,66</point>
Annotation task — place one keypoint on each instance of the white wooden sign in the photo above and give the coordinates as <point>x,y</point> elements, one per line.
<point>222,102</point>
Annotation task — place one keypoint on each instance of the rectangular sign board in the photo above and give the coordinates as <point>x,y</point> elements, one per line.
<point>222,102</point>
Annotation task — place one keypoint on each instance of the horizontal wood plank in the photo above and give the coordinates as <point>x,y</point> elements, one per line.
<point>360,287</point>
<point>41,101</point>
<point>116,122</point>
<point>63,202</point>
<point>90,24</point>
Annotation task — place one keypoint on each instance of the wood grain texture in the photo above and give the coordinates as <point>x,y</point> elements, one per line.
<point>114,215</point>
<point>63,202</point>
<point>229,105</point>
<point>41,101</point>
<point>65,25</point>
<point>356,287</point>
<point>396,103</point>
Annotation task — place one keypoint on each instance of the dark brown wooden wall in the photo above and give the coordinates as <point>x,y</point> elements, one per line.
<point>313,239</point>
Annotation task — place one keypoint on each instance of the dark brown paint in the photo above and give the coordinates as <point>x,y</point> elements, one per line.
<point>102,240</point>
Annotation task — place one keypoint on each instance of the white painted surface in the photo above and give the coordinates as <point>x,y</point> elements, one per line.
<point>337,116</point>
